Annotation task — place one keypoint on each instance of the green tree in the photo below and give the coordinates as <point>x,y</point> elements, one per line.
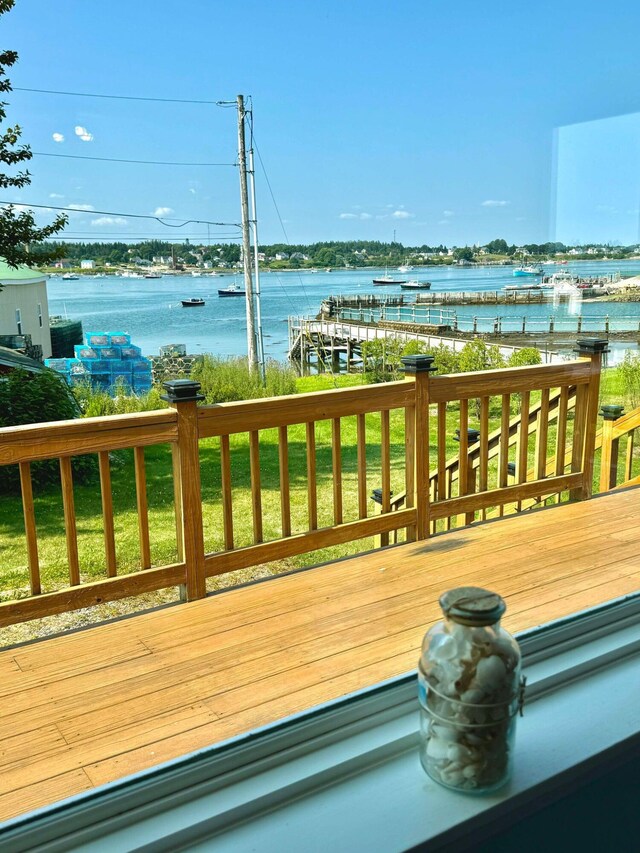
<point>464,254</point>
<point>524,357</point>
<point>18,231</point>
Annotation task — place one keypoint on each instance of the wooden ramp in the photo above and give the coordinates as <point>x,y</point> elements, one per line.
<point>87,708</point>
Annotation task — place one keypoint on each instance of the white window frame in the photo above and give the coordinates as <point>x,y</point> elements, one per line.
<point>19,320</point>
<point>346,776</point>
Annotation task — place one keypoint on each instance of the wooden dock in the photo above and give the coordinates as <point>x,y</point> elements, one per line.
<point>84,709</point>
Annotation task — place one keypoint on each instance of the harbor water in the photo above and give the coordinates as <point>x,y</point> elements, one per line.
<point>150,310</point>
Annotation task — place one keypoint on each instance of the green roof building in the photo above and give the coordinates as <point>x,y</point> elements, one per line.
<point>24,309</point>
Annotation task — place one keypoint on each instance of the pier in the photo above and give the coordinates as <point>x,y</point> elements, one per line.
<point>322,340</point>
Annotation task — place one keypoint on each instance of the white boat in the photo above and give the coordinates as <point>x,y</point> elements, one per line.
<point>406,267</point>
<point>232,290</point>
<point>70,276</point>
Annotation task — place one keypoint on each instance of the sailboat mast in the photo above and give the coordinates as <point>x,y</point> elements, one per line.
<point>252,353</point>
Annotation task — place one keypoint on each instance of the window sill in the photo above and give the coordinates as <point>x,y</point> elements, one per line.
<point>347,776</point>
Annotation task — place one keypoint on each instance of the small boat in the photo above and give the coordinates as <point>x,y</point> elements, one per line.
<point>152,275</point>
<point>232,290</point>
<point>415,285</point>
<point>387,279</point>
<point>193,302</point>
<point>528,270</point>
<point>70,276</point>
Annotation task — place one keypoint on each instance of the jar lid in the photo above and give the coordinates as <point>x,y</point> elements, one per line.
<point>472,605</point>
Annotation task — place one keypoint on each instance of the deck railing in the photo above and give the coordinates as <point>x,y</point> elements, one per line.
<point>619,469</point>
<point>430,497</point>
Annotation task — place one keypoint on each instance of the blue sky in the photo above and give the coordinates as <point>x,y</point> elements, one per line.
<point>453,122</point>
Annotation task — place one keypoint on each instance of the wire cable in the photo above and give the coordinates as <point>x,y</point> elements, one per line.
<point>115,97</point>
<point>121,160</point>
<point>166,223</point>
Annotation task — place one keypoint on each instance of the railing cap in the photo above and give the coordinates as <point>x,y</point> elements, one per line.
<point>181,391</point>
<point>472,435</point>
<point>612,412</point>
<point>418,363</point>
<point>591,346</point>
<point>376,495</point>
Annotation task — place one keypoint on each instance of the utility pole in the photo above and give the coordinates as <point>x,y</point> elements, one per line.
<point>258,305</point>
<point>252,351</point>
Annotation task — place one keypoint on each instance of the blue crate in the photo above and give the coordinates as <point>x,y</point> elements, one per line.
<point>78,378</point>
<point>131,351</point>
<point>77,367</point>
<point>97,366</point>
<point>59,364</point>
<point>97,339</point>
<point>141,365</point>
<point>81,351</point>
<point>112,353</point>
<point>142,383</point>
<point>119,339</point>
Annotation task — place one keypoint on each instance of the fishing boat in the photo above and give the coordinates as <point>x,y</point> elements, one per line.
<point>528,270</point>
<point>194,302</point>
<point>152,275</point>
<point>387,279</point>
<point>70,276</point>
<point>232,290</point>
<point>415,285</point>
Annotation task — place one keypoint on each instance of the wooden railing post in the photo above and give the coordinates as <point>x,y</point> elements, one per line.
<point>585,437</point>
<point>609,457</point>
<point>182,395</point>
<point>419,367</point>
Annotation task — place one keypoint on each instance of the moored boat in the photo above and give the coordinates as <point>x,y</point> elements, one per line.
<point>70,276</point>
<point>416,285</point>
<point>232,290</point>
<point>194,302</point>
<point>528,270</point>
<point>387,279</point>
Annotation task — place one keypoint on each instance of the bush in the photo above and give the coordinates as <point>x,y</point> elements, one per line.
<point>95,402</point>
<point>224,380</point>
<point>32,398</point>
<point>524,357</point>
<point>629,373</point>
<point>476,355</point>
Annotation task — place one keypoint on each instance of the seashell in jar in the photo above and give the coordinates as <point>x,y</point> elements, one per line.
<point>490,673</point>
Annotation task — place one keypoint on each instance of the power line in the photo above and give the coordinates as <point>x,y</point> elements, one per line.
<point>115,97</point>
<point>163,221</point>
<point>120,160</point>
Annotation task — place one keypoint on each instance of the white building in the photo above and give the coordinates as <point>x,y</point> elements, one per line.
<point>87,265</point>
<point>24,309</point>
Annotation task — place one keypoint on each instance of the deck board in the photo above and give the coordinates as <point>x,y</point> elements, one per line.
<point>89,707</point>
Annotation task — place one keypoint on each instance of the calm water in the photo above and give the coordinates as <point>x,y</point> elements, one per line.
<point>151,312</point>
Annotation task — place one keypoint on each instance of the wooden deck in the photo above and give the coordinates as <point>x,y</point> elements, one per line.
<point>87,708</point>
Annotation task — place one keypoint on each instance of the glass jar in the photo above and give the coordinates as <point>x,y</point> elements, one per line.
<point>470,691</point>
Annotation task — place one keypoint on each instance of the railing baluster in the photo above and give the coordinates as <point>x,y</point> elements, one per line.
<point>561,432</point>
<point>385,462</point>
<point>463,457</point>
<point>256,491</point>
<point>177,500</point>
<point>227,497</point>
<point>503,448</point>
<point>483,466</point>
<point>362,466</point>
<point>523,439</point>
<point>71,533</point>
<point>542,434</point>
<point>336,460</point>
<point>30,528</point>
<point>442,452</point>
<point>285,498</point>
<point>628,462</point>
<point>143,511</point>
<point>312,492</point>
<point>107,513</point>
<point>577,443</point>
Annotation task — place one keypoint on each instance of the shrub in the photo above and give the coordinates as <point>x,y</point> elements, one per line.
<point>95,402</point>
<point>524,357</point>
<point>31,398</point>
<point>224,380</point>
<point>629,373</point>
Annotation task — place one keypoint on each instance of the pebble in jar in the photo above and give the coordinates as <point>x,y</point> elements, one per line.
<point>470,692</point>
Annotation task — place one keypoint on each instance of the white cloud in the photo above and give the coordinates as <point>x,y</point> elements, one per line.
<point>192,191</point>
<point>356,216</point>
<point>109,220</point>
<point>55,195</point>
<point>57,137</point>
<point>492,202</point>
<point>83,133</point>
<point>447,213</point>
<point>162,211</point>
<point>81,207</point>
<point>402,214</point>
